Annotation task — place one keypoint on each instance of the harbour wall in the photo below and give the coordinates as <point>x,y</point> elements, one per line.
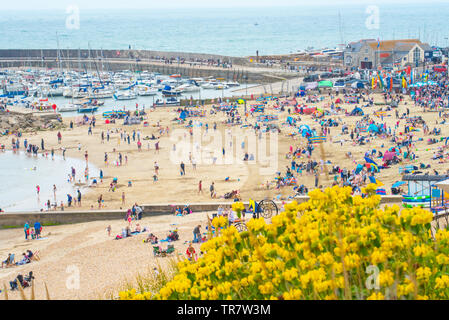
<point>18,219</point>
<point>139,60</point>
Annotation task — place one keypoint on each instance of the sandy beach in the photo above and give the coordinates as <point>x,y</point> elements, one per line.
<point>249,178</point>
<point>105,264</point>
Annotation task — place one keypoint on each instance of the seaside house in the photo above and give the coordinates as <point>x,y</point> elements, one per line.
<point>372,54</point>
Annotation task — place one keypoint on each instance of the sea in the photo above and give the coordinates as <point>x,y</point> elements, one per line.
<point>230,31</point>
<point>21,173</point>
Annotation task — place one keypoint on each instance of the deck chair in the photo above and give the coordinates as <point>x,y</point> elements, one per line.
<point>35,256</point>
<point>170,249</point>
<point>157,251</point>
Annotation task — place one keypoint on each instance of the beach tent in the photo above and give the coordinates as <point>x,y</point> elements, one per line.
<point>309,110</point>
<point>183,115</point>
<point>389,155</point>
<point>358,169</point>
<point>325,84</point>
<point>372,163</point>
<point>373,128</point>
<point>305,130</point>
<point>290,120</point>
<point>398,184</point>
<point>357,111</point>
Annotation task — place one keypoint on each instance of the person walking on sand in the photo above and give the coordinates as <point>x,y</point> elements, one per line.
<point>54,191</point>
<point>200,187</point>
<point>212,190</point>
<point>79,197</point>
<point>109,229</point>
<point>59,136</point>
<point>129,217</point>
<point>26,228</point>
<point>197,234</point>
<point>123,198</point>
<point>100,200</point>
<point>183,169</point>
<point>38,190</point>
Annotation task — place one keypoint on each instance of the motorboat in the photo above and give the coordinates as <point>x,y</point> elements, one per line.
<point>170,92</point>
<point>100,94</point>
<point>124,95</point>
<point>143,90</point>
<point>87,109</point>
<point>221,86</point>
<point>188,88</point>
<point>232,84</point>
<point>69,107</point>
<point>168,102</point>
<point>209,85</point>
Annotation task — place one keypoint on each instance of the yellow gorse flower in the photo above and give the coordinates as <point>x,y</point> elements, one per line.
<point>333,246</point>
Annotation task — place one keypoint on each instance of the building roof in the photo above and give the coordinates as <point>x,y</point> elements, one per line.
<point>425,46</point>
<point>424,178</point>
<point>389,45</point>
<point>356,46</point>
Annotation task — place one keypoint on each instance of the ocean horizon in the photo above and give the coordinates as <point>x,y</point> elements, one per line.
<point>227,31</point>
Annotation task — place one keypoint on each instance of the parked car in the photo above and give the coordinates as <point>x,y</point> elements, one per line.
<point>312,78</point>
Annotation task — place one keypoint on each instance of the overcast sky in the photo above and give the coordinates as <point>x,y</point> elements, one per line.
<point>149,4</point>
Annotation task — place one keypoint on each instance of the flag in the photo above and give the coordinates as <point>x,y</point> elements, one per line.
<point>404,83</point>
<point>373,83</point>
<point>391,84</point>
<point>378,43</point>
<point>381,82</point>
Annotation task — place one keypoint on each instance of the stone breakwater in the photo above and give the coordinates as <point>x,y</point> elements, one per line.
<point>187,64</point>
<point>16,121</point>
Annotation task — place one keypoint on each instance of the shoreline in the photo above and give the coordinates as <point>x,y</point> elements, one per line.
<point>63,185</point>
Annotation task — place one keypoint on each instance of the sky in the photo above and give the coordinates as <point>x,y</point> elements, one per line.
<point>152,4</point>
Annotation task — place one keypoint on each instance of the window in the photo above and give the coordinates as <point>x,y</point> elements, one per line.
<point>416,55</point>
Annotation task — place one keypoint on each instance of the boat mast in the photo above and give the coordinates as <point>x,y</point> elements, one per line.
<point>58,53</point>
<point>79,59</point>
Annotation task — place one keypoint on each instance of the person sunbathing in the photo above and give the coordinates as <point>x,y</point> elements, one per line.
<point>138,228</point>
<point>24,260</point>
